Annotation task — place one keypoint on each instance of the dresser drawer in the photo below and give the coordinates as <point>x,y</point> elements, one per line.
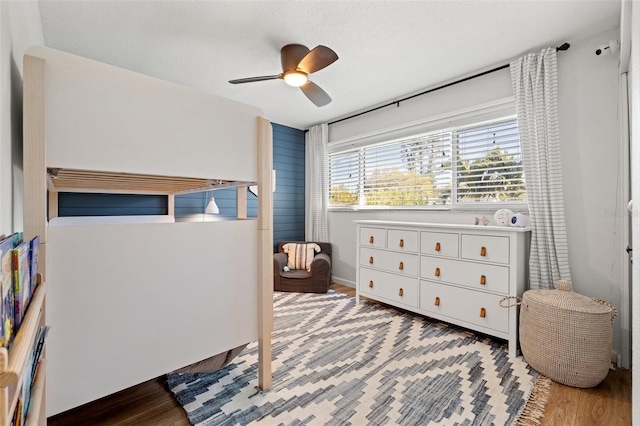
<point>479,276</point>
<point>399,263</point>
<point>389,286</point>
<point>439,244</point>
<point>402,240</point>
<point>373,237</point>
<point>485,248</point>
<point>471,306</point>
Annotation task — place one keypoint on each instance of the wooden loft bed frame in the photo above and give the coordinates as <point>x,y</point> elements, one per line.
<point>53,164</point>
<point>68,180</point>
<point>87,181</point>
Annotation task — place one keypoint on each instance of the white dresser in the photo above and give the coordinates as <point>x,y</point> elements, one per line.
<point>454,273</point>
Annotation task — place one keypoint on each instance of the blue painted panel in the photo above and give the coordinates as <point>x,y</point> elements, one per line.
<point>292,195</point>
<point>290,177</point>
<point>79,204</point>
<point>284,145</point>
<point>282,155</point>
<point>291,167</point>
<point>288,143</point>
<point>288,200</point>
<point>279,128</point>
<point>195,203</point>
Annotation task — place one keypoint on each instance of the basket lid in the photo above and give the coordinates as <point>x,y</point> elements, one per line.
<point>565,298</point>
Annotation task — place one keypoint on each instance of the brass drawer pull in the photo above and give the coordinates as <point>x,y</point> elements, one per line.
<point>401,266</point>
<point>437,272</point>
<point>437,302</point>
<point>371,259</point>
<point>437,246</point>
<point>483,251</point>
<point>483,279</point>
<point>483,312</point>
<point>370,284</point>
<point>401,243</point>
<point>401,293</point>
<point>371,239</point>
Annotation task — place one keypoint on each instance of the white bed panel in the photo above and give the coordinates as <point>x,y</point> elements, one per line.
<point>117,120</point>
<point>134,296</point>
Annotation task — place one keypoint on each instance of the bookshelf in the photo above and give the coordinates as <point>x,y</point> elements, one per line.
<point>168,139</point>
<point>13,363</point>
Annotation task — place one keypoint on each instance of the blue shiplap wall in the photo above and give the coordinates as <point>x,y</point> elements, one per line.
<point>188,205</point>
<point>288,200</point>
<point>77,204</point>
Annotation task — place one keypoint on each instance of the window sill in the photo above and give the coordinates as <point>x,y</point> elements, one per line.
<point>484,209</point>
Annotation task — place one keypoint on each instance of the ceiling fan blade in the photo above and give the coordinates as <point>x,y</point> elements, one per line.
<point>291,55</point>
<point>318,58</point>
<point>315,94</point>
<point>252,79</point>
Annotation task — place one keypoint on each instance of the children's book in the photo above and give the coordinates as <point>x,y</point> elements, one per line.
<point>21,281</point>
<point>17,238</point>
<point>38,348</point>
<point>6,291</point>
<point>31,371</point>
<point>34,250</point>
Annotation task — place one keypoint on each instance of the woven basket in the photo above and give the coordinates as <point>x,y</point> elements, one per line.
<point>566,336</point>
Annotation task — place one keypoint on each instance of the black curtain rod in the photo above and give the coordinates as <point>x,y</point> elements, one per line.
<point>564,46</point>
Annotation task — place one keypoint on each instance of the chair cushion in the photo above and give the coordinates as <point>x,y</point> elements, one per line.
<point>297,274</point>
<point>300,255</point>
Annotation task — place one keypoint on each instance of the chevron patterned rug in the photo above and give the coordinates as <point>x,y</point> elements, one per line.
<point>335,363</point>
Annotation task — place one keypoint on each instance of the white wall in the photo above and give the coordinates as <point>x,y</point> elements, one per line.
<point>590,147</point>
<point>20,27</point>
<point>591,154</point>
<point>634,121</point>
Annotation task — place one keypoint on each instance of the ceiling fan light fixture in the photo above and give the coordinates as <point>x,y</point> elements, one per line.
<point>297,63</point>
<point>295,78</point>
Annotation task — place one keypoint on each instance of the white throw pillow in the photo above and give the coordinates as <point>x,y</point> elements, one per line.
<point>300,255</point>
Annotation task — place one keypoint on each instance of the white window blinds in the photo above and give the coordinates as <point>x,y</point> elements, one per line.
<point>489,163</point>
<point>479,163</point>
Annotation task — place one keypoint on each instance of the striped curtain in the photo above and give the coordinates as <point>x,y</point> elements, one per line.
<point>316,183</point>
<point>535,85</point>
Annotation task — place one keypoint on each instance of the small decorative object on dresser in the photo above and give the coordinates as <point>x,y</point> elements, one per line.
<point>482,221</point>
<point>454,273</point>
<point>519,220</point>
<point>503,217</point>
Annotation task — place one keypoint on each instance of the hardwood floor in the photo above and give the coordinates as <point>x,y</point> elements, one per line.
<point>151,403</point>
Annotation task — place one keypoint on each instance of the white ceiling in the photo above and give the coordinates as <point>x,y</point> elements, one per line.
<point>387,49</point>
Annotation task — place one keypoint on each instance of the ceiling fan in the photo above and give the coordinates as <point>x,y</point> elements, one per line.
<point>297,63</point>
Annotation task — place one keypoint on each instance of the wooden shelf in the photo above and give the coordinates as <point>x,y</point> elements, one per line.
<point>15,359</point>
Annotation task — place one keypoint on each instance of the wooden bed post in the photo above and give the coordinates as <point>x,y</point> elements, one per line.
<point>35,177</point>
<point>35,192</point>
<point>53,204</point>
<point>171,205</point>
<point>265,251</point>
<point>241,202</point>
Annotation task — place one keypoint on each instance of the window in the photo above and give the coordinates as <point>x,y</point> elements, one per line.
<point>465,165</point>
